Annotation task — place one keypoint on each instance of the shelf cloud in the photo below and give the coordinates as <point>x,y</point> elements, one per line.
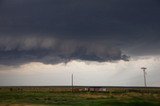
<point>49,50</point>
<point>55,31</point>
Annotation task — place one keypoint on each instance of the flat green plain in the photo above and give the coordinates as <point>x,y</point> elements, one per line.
<point>67,98</point>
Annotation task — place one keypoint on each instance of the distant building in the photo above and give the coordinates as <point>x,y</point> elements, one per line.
<point>92,89</point>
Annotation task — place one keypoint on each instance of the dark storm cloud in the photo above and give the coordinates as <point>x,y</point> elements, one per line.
<point>80,18</point>
<point>22,49</point>
<point>53,31</point>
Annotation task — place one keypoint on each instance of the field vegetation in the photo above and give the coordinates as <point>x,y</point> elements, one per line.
<point>64,97</point>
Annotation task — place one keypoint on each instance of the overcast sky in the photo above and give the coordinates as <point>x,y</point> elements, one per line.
<point>103,42</point>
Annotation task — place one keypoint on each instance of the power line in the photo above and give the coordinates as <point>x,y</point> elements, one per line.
<point>72,82</point>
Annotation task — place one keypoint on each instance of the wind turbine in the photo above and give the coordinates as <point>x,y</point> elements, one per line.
<point>144,72</point>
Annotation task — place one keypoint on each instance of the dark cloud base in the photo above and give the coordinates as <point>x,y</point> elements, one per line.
<point>55,31</point>
<point>21,50</point>
<point>23,57</point>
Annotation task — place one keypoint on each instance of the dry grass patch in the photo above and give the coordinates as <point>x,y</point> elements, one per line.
<point>93,96</point>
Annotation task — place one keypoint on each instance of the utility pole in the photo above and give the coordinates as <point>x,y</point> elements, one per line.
<point>144,73</point>
<point>72,81</point>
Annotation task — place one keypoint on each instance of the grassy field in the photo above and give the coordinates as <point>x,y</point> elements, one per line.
<point>20,97</point>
